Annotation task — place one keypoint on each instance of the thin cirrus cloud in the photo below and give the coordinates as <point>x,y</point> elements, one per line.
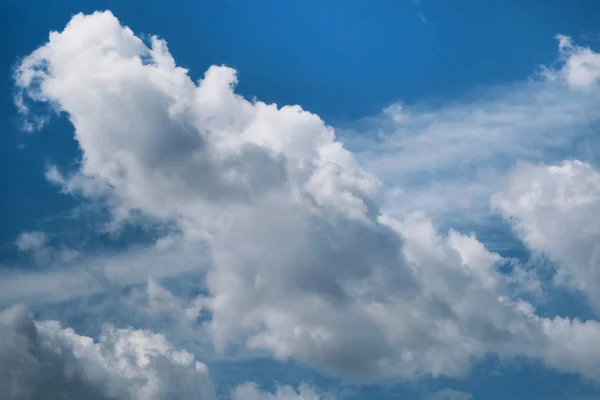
<point>466,148</point>
<point>306,259</point>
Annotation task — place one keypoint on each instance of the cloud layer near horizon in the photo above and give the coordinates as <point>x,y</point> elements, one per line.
<point>304,262</point>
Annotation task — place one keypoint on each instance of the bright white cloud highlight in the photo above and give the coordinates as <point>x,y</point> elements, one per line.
<point>303,262</point>
<point>581,69</point>
<point>43,360</point>
<point>555,210</point>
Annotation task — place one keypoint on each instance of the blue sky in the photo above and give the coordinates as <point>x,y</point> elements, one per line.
<point>448,250</point>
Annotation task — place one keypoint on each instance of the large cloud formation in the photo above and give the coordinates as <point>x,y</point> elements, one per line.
<point>304,263</point>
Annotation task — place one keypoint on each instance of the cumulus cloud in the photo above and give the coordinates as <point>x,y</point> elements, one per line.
<point>302,261</point>
<point>465,148</point>
<point>581,65</point>
<point>554,210</point>
<point>41,359</point>
<point>44,360</point>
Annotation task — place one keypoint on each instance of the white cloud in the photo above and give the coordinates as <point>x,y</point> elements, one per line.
<point>177,317</point>
<point>98,274</point>
<point>554,210</point>
<point>449,159</point>
<point>37,243</point>
<point>31,241</point>
<point>44,360</point>
<point>449,394</point>
<point>303,263</point>
<point>581,65</point>
<point>250,391</point>
<point>159,300</point>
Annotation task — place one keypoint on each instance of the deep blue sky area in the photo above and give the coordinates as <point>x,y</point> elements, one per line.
<point>341,59</point>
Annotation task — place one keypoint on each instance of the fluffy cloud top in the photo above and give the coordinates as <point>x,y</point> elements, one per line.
<point>554,209</point>
<point>581,65</point>
<point>43,360</point>
<point>303,262</point>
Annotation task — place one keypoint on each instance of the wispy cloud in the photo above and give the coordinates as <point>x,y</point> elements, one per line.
<point>449,159</point>
<point>97,274</point>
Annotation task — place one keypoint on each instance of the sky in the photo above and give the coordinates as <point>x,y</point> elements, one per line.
<point>300,200</point>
